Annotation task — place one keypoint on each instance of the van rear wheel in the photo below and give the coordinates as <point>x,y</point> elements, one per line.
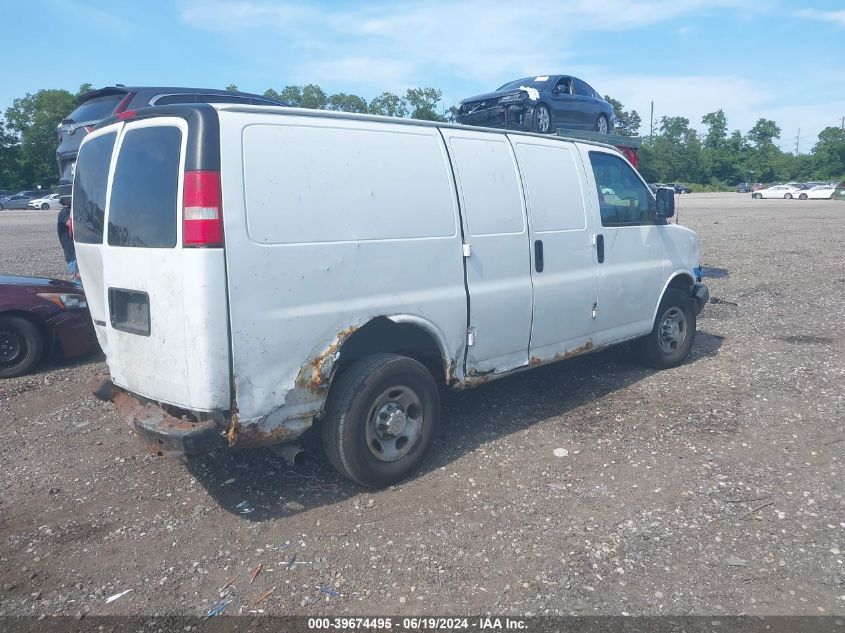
<point>670,340</point>
<point>381,417</point>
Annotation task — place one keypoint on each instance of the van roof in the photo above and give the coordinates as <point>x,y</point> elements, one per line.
<point>200,108</point>
<point>332,114</point>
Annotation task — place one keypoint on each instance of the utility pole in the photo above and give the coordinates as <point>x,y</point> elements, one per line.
<point>843,124</point>
<point>651,121</point>
<point>797,141</point>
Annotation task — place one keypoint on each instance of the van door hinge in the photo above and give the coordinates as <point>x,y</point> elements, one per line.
<point>467,250</point>
<point>471,337</point>
<point>595,310</point>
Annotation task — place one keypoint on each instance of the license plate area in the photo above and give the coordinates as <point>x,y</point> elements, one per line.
<point>129,311</point>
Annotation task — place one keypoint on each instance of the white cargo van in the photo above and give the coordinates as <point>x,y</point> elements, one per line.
<point>256,271</point>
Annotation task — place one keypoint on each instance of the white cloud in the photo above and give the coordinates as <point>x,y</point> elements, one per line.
<point>836,17</point>
<point>474,41</point>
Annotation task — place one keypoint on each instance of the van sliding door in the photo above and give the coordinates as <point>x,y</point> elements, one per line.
<point>498,265</point>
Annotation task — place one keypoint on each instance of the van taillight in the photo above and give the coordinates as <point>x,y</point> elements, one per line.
<point>202,216</point>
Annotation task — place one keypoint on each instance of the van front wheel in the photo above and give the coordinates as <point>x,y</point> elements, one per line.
<point>671,338</point>
<point>381,417</point>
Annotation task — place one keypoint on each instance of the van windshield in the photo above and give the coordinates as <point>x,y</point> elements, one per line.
<point>142,212</point>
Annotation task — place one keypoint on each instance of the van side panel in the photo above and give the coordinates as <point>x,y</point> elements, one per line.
<point>330,223</point>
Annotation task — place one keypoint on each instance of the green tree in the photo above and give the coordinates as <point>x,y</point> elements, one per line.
<point>763,152</point>
<point>314,98</point>
<point>389,104</point>
<point>717,129</point>
<point>32,122</point>
<point>292,95</point>
<point>626,123</point>
<point>422,103</point>
<point>347,103</point>
<point>9,153</point>
<point>232,88</point>
<point>86,87</point>
<point>829,153</point>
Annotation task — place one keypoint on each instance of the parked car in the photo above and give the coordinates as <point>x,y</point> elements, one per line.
<point>48,202</point>
<point>540,104</point>
<point>777,191</point>
<point>799,185</point>
<point>4,193</point>
<point>757,186</point>
<point>743,187</point>
<point>819,192</point>
<point>41,316</point>
<point>679,188</point>
<point>20,200</point>
<point>96,105</point>
<point>198,346</point>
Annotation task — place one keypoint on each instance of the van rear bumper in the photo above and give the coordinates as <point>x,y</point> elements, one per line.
<point>160,432</point>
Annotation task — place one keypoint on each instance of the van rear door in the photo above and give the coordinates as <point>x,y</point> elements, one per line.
<point>160,305</point>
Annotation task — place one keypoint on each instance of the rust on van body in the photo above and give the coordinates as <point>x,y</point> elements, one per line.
<point>151,423</point>
<point>482,378</point>
<point>313,378</point>
<point>586,347</point>
<point>315,375</point>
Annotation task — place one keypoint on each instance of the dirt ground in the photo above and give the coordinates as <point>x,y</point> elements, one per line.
<point>714,488</point>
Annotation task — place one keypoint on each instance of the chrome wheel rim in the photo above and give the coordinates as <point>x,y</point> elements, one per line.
<point>543,119</point>
<point>11,347</point>
<point>395,423</point>
<point>602,125</point>
<point>672,331</point>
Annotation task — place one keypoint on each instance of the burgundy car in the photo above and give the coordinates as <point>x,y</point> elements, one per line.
<point>39,316</point>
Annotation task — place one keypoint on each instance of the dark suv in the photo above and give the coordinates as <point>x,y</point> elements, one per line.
<point>101,104</point>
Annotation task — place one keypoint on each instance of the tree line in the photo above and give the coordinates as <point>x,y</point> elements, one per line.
<point>714,158</point>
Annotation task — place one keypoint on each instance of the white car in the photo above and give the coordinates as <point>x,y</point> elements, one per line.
<point>819,192</point>
<point>50,202</point>
<point>778,191</point>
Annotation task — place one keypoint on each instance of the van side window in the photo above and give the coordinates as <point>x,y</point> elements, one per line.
<point>144,201</point>
<point>89,188</point>
<point>623,198</point>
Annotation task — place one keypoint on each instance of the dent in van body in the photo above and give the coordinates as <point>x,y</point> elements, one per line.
<point>306,399</point>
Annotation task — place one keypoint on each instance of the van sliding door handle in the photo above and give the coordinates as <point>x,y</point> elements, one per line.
<point>600,248</point>
<point>538,255</point>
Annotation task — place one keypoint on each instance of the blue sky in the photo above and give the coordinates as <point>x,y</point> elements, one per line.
<point>780,59</point>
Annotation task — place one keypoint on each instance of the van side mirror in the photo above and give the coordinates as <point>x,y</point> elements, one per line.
<point>665,203</point>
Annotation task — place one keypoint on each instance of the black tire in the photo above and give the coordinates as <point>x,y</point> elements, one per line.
<point>802,196</point>
<point>351,409</point>
<point>1,207</point>
<point>44,206</point>
<point>653,350</point>
<point>757,196</point>
<point>542,123</point>
<point>602,120</point>
<point>21,346</point>
<point>787,196</point>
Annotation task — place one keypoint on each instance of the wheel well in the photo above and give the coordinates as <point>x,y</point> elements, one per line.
<point>681,282</point>
<point>383,335</point>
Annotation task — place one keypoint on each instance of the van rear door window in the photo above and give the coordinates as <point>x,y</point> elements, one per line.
<point>89,188</point>
<point>144,202</point>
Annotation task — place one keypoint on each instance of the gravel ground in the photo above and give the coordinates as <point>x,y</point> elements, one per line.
<point>713,488</point>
